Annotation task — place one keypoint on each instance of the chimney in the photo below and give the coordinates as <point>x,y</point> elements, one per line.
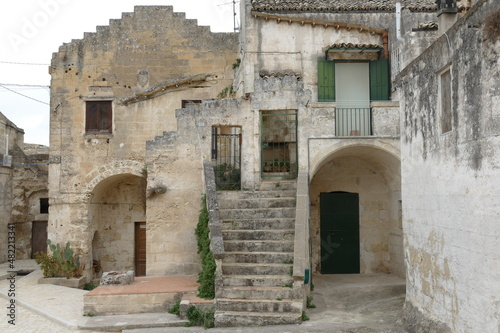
<point>447,14</point>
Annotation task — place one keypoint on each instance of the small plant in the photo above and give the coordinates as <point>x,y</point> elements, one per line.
<point>304,316</point>
<point>288,285</point>
<point>90,314</point>
<point>289,261</point>
<point>310,304</point>
<point>175,309</point>
<point>206,278</point>
<point>227,177</point>
<point>227,92</point>
<point>277,185</point>
<point>237,63</point>
<point>198,317</point>
<point>291,271</point>
<point>90,286</point>
<point>279,299</point>
<point>61,263</point>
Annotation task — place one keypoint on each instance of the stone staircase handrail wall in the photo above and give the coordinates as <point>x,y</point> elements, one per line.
<point>215,224</point>
<point>301,242</point>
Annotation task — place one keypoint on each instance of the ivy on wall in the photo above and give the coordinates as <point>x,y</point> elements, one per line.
<point>206,278</point>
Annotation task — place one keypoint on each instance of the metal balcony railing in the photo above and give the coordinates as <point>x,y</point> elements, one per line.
<point>353,122</point>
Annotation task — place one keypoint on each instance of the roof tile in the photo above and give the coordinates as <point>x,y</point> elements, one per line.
<point>347,5</point>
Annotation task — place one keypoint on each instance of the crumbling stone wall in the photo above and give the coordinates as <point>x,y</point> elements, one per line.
<point>30,184</point>
<point>23,179</point>
<point>146,63</point>
<point>450,181</point>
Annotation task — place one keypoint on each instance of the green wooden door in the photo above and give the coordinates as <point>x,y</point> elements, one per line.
<point>339,231</point>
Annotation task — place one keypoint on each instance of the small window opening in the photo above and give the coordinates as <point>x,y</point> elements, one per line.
<point>44,205</point>
<point>445,101</point>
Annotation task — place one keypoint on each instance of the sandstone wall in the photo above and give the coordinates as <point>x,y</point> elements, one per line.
<point>146,63</point>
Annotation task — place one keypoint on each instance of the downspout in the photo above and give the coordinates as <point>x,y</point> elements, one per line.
<point>385,38</point>
<point>398,21</point>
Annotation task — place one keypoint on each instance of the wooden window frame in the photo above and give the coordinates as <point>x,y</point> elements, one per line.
<point>98,117</point>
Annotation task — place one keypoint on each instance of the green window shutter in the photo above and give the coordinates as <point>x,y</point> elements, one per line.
<point>379,80</point>
<point>326,81</point>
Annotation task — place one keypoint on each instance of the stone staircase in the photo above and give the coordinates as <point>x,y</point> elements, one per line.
<point>258,233</point>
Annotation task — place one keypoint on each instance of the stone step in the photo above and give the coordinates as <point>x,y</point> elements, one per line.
<point>258,234</point>
<point>250,293</point>
<point>258,257</point>
<point>235,318</point>
<point>278,185</point>
<point>258,213</point>
<point>257,203</point>
<point>258,246</point>
<point>256,280</point>
<point>259,224</point>
<point>256,269</point>
<point>259,305</point>
<point>238,195</point>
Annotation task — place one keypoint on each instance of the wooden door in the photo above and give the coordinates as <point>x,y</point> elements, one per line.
<point>38,237</point>
<point>339,228</point>
<point>140,248</point>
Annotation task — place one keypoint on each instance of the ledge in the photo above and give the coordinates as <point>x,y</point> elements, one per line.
<point>375,104</point>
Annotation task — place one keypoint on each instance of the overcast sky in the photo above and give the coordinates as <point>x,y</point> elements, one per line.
<point>31,30</point>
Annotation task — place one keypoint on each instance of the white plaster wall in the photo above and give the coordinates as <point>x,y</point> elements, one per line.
<point>450,181</point>
<point>452,237</point>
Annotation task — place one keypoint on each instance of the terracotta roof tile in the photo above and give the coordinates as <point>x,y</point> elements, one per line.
<point>347,5</point>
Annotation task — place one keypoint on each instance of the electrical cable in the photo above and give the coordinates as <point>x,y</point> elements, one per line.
<point>34,99</point>
<point>23,63</point>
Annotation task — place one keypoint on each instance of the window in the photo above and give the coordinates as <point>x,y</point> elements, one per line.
<point>445,101</point>
<point>378,80</point>
<point>98,117</point>
<point>44,205</point>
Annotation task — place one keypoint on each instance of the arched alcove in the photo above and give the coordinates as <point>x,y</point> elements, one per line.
<point>373,176</point>
<point>116,205</point>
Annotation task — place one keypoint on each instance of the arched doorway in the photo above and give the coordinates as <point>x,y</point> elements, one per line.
<point>115,208</point>
<point>369,179</point>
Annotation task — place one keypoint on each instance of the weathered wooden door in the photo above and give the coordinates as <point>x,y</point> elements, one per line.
<point>339,229</point>
<point>38,237</point>
<point>140,248</point>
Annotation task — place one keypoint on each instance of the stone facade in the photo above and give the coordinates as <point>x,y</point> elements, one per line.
<point>160,75</point>
<point>450,175</point>
<point>23,182</point>
<point>143,65</point>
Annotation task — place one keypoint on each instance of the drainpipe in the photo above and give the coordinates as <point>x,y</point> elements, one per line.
<point>398,21</point>
<point>385,38</point>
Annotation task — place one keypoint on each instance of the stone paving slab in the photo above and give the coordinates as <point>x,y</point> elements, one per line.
<point>51,308</point>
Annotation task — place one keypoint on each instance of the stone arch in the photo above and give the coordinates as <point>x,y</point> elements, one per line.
<point>320,158</point>
<point>371,169</point>
<point>115,204</point>
<point>102,172</point>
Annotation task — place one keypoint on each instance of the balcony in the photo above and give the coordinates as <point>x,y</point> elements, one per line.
<point>353,122</point>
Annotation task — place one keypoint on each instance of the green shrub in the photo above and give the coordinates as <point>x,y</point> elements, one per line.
<point>175,309</point>
<point>199,317</point>
<point>61,263</point>
<point>90,286</point>
<point>206,278</point>
<point>304,316</point>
